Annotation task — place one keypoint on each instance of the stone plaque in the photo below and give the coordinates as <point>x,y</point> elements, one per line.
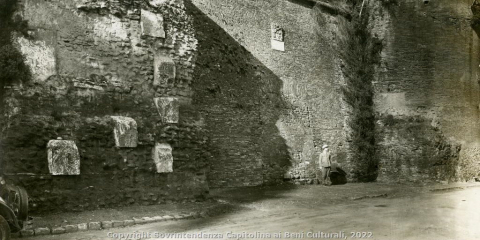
<point>278,38</point>
<point>163,158</point>
<point>152,24</point>
<point>125,132</point>
<point>164,70</point>
<point>63,157</point>
<point>168,108</point>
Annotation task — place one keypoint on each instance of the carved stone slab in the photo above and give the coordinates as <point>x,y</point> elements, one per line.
<point>278,37</point>
<point>125,132</point>
<point>63,157</point>
<point>163,158</point>
<point>152,24</point>
<point>168,108</point>
<point>164,70</point>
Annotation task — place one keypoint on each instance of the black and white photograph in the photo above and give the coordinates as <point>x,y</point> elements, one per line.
<point>239,119</point>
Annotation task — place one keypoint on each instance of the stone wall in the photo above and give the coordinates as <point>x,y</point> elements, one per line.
<point>92,60</point>
<point>427,91</point>
<point>307,76</point>
<point>241,101</point>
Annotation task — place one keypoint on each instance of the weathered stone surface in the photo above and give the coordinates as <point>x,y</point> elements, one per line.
<point>125,132</point>
<point>63,157</point>
<point>71,228</point>
<point>164,71</point>
<point>40,58</point>
<point>104,40</point>
<point>158,218</point>
<point>107,224</point>
<point>58,230</point>
<point>27,232</point>
<point>168,109</point>
<point>152,24</point>
<point>163,158</point>
<point>42,231</point>
<point>392,103</point>
<point>82,227</point>
<point>298,80</point>
<point>94,225</point>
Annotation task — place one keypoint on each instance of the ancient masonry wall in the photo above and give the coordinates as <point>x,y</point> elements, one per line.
<point>305,68</point>
<point>107,119</point>
<point>427,91</point>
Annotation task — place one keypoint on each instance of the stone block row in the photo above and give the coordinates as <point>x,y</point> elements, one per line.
<point>64,158</point>
<point>104,225</point>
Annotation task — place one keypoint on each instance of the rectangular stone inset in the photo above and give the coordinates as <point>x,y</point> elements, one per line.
<point>164,70</point>
<point>392,103</point>
<point>163,158</point>
<point>63,157</point>
<point>278,37</point>
<point>152,24</point>
<point>168,108</point>
<point>125,132</point>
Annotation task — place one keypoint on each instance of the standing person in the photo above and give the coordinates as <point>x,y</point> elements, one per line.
<point>325,163</point>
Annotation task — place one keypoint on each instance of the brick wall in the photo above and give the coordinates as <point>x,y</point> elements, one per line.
<point>427,91</point>
<point>307,76</point>
<point>92,60</point>
<point>241,101</point>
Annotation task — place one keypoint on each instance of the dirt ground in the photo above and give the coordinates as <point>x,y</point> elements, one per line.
<point>352,211</point>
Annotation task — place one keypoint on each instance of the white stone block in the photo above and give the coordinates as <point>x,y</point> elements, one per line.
<point>163,70</point>
<point>158,3</point>
<point>163,158</point>
<point>277,45</point>
<point>152,24</point>
<point>125,132</point>
<point>168,108</point>
<point>63,157</point>
<point>40,57</point>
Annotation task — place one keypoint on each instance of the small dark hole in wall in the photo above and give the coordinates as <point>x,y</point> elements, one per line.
<point>426,1</point>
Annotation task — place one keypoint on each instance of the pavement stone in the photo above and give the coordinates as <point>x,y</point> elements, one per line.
<point>27,233</point>
<point>117,223</point>
<point>94,226</point>
<point>42,231</point>
<point>82,227</point>
<point>129,222</point>
<point>71,228</point>
<point>139,221</point>
<point>107,224</point>
<point>58,230</point>
<point>148,219</point>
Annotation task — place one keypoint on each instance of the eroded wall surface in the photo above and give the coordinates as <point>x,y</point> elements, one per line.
<point>307,72</point>
<point>427,91</point>
<point>92,60</point>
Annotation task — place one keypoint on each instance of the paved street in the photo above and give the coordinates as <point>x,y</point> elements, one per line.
<point>452,214</point>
